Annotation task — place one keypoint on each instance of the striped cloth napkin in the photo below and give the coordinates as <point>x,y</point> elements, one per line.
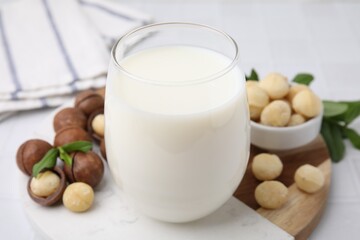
<point>50,49</point>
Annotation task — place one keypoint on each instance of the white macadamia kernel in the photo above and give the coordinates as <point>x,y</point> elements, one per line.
<point>276,85</point>
<point>78,197</point>
<point>250,83</point>
<point>295,89</point>
<point>309,178</point>
<point>271,194</point>
<point>98,124</point>
<point>276,114</point>
<point>45,184</point>
<point>307,104</point>
<point>296,119</point>
<point>266,166</point>
<point>257,100</point>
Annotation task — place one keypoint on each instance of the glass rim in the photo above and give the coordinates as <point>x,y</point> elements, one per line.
<point>229,67</point>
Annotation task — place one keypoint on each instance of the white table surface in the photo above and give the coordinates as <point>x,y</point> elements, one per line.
<point>321,37</point>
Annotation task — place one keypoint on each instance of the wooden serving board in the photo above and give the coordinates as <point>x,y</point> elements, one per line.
<point>300,215</point>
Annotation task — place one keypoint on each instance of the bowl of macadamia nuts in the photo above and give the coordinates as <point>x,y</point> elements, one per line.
<point>283,115</point>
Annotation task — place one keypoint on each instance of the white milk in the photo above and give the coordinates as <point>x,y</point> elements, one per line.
<point>178,152</point>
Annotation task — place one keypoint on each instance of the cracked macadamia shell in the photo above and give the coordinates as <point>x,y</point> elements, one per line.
<point>276,114</point>
<point>266,166</point>
<point>276,85</point>
<point>257,100</point>
<point>271,194</point>
<point>307,104</point>
<point>309,178</point>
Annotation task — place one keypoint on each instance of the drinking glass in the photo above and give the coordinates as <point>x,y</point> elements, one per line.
<point>176,119</point>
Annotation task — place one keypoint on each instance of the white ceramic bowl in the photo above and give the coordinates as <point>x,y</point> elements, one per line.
<point>285,138</point>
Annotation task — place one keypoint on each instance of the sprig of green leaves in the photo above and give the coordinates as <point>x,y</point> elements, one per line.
<point>303,78</point>
<point>338,115</point>
<point>49,160</point>
<point>253,76</point>
<point>336,119</point>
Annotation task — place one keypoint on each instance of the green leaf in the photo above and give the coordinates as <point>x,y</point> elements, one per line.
<point>253,76</point>
<point>353,136</point>
<point>65,156</point>
<point>303,78</point>
<point>352,112</point>
<point>333,138</point>
<point>332,109</point>
<point>47,162</point>
<point>82,146</point>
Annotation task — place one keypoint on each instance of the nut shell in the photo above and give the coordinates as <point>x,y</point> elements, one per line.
<point>88,101</point>
<point>71,134</point>
<point>69,117</point>
<point>101,91</point>
<point>103,149</point>
<point>31,152</point>
<point>53,198</point>
<point>91,131</point>
<point>87,167</point>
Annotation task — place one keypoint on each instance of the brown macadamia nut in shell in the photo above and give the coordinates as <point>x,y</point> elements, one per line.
<point>88,101</point>
<point>55,196</point>
<point>276,114</point>
<point>96,129</point>
<point>307,104</point>
<point>78,197</point>
<point>266,166</point>
<point>101,91</point>
<point>86,167</point>
<point>275,85</point>
<point>309,178</point>
<point>69,117</point>
<point>31,152</point>
<point>257,100</point>
<point>271,194</point>
<point>70,134</point>
<point>45,184</point>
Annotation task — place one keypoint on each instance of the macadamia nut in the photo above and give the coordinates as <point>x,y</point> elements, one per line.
<point>266,166</point>
<point>309,178</point>
<point>296,119</point>
<point>250,83</point>
<point>276,114</point>
<point>98,124</point>
<point>276,85</point>
<point>307,103</point>
<point>271,194</point>
<point>257,99</point>
<point>78,197</point>
<point>45,184</point>
<point>295,89</point>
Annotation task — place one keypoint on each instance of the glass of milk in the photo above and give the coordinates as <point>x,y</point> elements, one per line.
<point>176,120</point>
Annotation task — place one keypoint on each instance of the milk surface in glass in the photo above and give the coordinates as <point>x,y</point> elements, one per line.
<point>177,150</point>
